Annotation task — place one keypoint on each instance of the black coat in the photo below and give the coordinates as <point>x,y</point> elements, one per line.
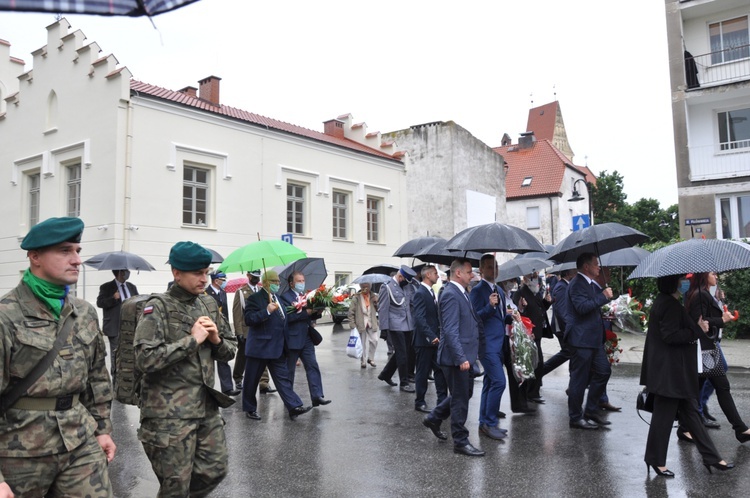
<point>706,306</point>
<point>111,306</point>
<point>670,355</point>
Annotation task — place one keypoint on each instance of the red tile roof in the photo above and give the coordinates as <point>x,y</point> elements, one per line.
<point>542,162</point>
<point>141,88</point>
<point>542,121</point>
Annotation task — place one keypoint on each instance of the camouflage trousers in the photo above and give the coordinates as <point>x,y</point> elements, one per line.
<point>189,457</point>
<point>81,472</point>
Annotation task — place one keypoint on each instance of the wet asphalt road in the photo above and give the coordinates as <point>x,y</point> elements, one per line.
<point>370,442</point>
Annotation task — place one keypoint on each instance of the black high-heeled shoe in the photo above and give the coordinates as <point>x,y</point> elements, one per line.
<point>719,466</point>
<point>663,473</point>
<point>742,437</point>
<point>682,437</point>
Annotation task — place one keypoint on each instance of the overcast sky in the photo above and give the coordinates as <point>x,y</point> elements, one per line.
<point>393,64</point>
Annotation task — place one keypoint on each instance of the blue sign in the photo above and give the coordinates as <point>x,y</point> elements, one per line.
<point>697,221</point>
<point>581,222</point>
<point>288,237</point>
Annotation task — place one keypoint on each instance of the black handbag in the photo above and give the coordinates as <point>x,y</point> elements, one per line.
<point>645,401</point>
<point>712,364</point>
<point>315,336</point>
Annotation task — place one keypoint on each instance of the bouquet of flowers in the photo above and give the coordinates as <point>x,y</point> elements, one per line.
<point>340,299</point>
<point>523,350</point>
<point>320,298</point>
<point>298,305</point>
<point>611,347</point>
<point>625,314</point>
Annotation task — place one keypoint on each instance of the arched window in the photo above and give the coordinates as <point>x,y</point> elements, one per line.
<point>51,110</point>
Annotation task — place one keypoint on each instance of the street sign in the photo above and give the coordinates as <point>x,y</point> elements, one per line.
<point>581,222</point>
<point>288,237</point>
<point>697,221</point>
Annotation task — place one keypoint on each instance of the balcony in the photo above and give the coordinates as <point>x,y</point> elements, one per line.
<point>718,68</point>
<point>717,161</point>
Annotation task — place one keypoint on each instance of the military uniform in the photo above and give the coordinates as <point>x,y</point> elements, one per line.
<point>181,429</point>
<point>47,437</point>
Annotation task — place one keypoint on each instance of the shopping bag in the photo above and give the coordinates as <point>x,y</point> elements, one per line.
<point>354,346</point>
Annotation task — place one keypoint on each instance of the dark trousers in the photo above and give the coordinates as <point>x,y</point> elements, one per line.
<point>726,401</point>
<point>307,354</point>
<point>518,393</point>
<point>558,358</point>
<point>254,368</point>
<point>426,362</point>
<point>456,406</point>
<point>399,360</point>
<point>225,376</point>
<point>588,367</point>
<point>493,386</point>
<point>535,384</point>
<point>239,363</point>
<point>662,419</point>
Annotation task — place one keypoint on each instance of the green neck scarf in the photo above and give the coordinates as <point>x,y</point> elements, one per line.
<point>52,295</point>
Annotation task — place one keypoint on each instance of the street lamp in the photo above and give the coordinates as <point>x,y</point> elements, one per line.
<point>578,197</point>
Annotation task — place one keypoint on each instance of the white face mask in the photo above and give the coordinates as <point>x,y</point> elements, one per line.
<point>511,286</point>
<point>533,287</point>
<point>712,290</point>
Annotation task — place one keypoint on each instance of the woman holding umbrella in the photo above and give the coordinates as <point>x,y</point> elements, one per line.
<point>700,303</point>
<point>670,372</point>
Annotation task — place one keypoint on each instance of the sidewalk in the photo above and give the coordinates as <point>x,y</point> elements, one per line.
<point>737,352</point>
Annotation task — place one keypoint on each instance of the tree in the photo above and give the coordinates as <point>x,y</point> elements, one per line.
<point>608,197</point>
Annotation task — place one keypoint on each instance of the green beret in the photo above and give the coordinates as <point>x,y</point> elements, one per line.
<point>53,231</point>
<point>189,256</point>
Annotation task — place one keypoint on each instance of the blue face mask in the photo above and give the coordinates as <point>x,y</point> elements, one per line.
<point>223,284</point>
<point>299,287</point>
<point>684,286</point>
<point>274,288</point>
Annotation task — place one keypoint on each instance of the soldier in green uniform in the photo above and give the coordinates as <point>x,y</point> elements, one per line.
<point>179,337</point>
<point>55,436</point>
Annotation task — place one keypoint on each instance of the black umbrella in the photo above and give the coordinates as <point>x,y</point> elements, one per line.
<point>118,260</point>
<point>538,255</point>
<point>414,245</point>
<point>494,237</point>
<point>520,266</point>
<point>131,8</point>
<point>216,257</point>
<point>597,239</point>
<point>314,270</point>
<point>630,256</point>
<point>384,269</point>
<point>371,278</point>
<point>438,254</point>
<point>694,256</point>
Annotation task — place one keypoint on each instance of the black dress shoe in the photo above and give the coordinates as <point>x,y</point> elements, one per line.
<point>268,390</point>
<point>468,450</point>
<point>387,381</point>
<point>320,401</point>
<point>609,407</point>
<point>407,388</point>
<point>298,410</point>
<point>583,424</point>
<point>501,415</point>
<point>539,400</point>
<point>684,437</point>
<point>434,427</point>
<point>252,415</point>
<point>422,408</point>
<point>709,423</point>
<point>233,392</point>
<point>598,420</point>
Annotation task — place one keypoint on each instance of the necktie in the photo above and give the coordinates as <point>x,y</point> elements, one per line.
<point>432,292</point>
<point>281,308</point>
<point>124,292</point>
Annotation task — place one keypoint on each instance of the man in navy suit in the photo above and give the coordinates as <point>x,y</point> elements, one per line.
<point>584,333</point>
<point>216,291</point>
<point>461,340</point>
<point>426,339</point>
<point>110,299</point>
<point>264,347</point>
<point>559,312</point>
<point>298,341</point>
<point>489,305</point>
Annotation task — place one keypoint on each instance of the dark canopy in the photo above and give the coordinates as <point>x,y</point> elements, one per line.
<point>131,8</point>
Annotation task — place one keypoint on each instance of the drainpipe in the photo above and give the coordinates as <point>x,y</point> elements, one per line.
<point>551,220</point>
<point>128,170</point>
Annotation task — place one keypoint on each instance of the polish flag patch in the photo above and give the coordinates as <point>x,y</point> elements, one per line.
<point>148,310</point>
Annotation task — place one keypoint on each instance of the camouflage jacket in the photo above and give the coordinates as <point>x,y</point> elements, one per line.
<point>27,331</point>
<point>238,310</point>
<point>178,372</point>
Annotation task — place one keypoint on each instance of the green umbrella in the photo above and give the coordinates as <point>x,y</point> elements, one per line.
<point>261,255</point>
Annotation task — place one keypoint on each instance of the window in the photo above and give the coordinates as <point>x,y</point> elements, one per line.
<point>74,190</point>
<point>734,129</point>
<point>195,196</point>
<point>341,279</point>
<point>295,208</point>
<point>734,217</point>
<point>373,219</point>
<point>34,198</point>
<point>729,40</point>
<point>532,217</point>
<point>526,181</point>
<point>340,214</point>
<point>726,219</point>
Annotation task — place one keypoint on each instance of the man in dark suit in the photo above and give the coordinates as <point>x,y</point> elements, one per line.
<point>559,311</point>
<point>585,334</point>
<point>426,339</point>
<point>265,348</point>
<point>489,305</point>
<point>111,296</point>
<point>216,290</point>
<point>299,345</point>
<point>461,340</point>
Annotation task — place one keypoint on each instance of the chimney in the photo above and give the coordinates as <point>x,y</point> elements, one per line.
<point>505,140</point>
<point>526,140</point>
<point>209,89</point>
<point>334,128</point>
<point>190,91</point>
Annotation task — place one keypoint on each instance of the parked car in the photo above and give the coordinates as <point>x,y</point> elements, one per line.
<point>340,310</point>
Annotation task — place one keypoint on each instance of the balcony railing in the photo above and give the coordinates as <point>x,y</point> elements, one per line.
<point>711,162</point>
<point>718,68</point>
